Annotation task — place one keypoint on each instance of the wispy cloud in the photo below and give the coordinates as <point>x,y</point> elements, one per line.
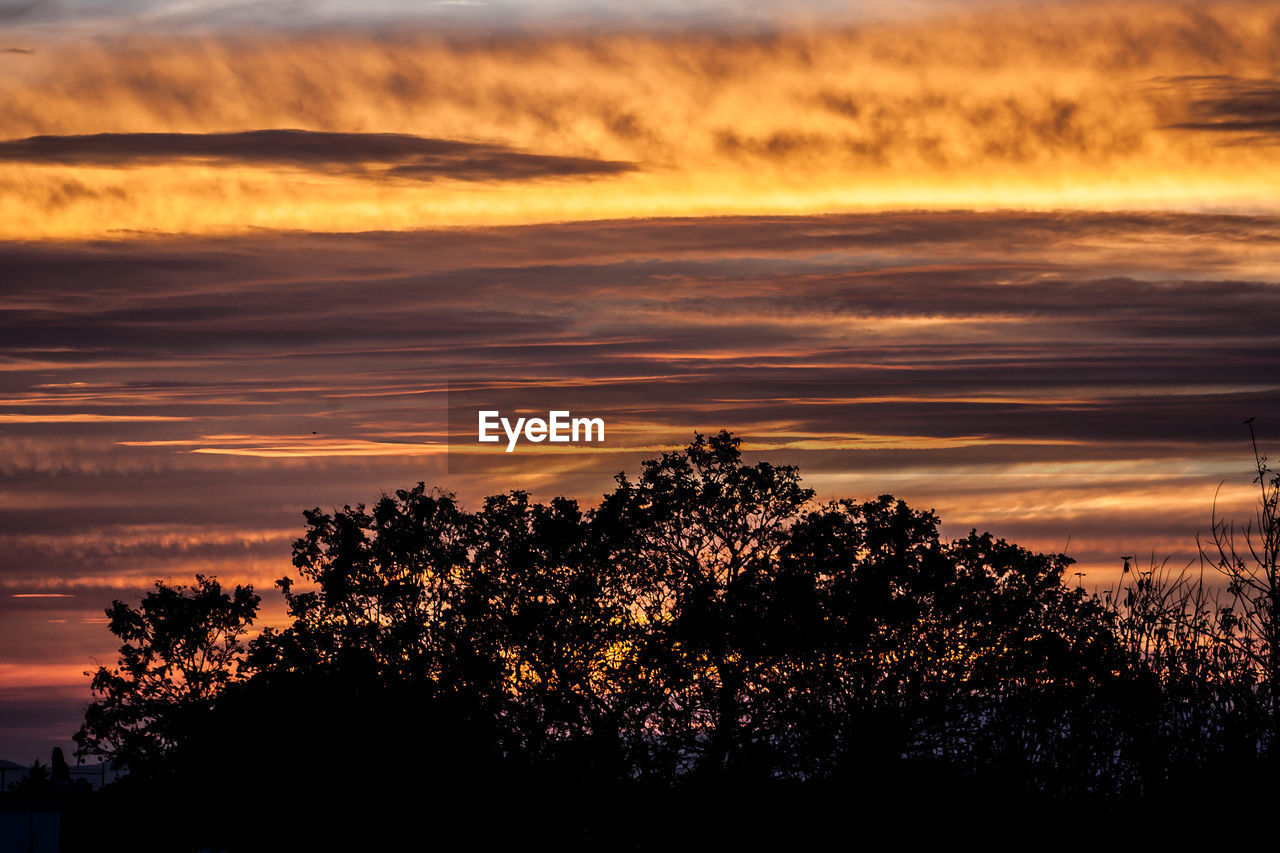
<point>1026,371</point>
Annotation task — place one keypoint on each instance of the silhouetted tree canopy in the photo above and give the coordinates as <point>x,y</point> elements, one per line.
<point>182,646</point>
<point>706,624</point>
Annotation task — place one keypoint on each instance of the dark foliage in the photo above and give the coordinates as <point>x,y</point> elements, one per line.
<point>706,642</point>
<point>182,647</point>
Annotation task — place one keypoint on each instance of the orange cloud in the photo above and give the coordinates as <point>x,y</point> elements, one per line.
<point>1086,106</point>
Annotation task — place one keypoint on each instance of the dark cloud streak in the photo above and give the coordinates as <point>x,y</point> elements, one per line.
<point>378,155</point>
<point>1238,107</point>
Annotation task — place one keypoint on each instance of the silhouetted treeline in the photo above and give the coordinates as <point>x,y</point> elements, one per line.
<point>707,642</point>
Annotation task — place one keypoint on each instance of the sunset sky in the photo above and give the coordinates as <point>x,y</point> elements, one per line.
<point>1017,262</point>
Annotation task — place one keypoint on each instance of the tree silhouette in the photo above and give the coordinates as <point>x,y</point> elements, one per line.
<point>698,535</point>
<point>707,634</point>
<point>381,588</point>
<point>1201,656</point>
<point>36,781</point>
<point>182,646</point>
<point>60,770</point>
<point>1249,560</point>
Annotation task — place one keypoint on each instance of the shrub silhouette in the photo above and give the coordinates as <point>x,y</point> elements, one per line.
<point>35,781</point>
<point>707,634</point>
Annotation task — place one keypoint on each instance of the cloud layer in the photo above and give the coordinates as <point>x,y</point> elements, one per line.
<point>1100,106</point>
<point>167,406</point>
